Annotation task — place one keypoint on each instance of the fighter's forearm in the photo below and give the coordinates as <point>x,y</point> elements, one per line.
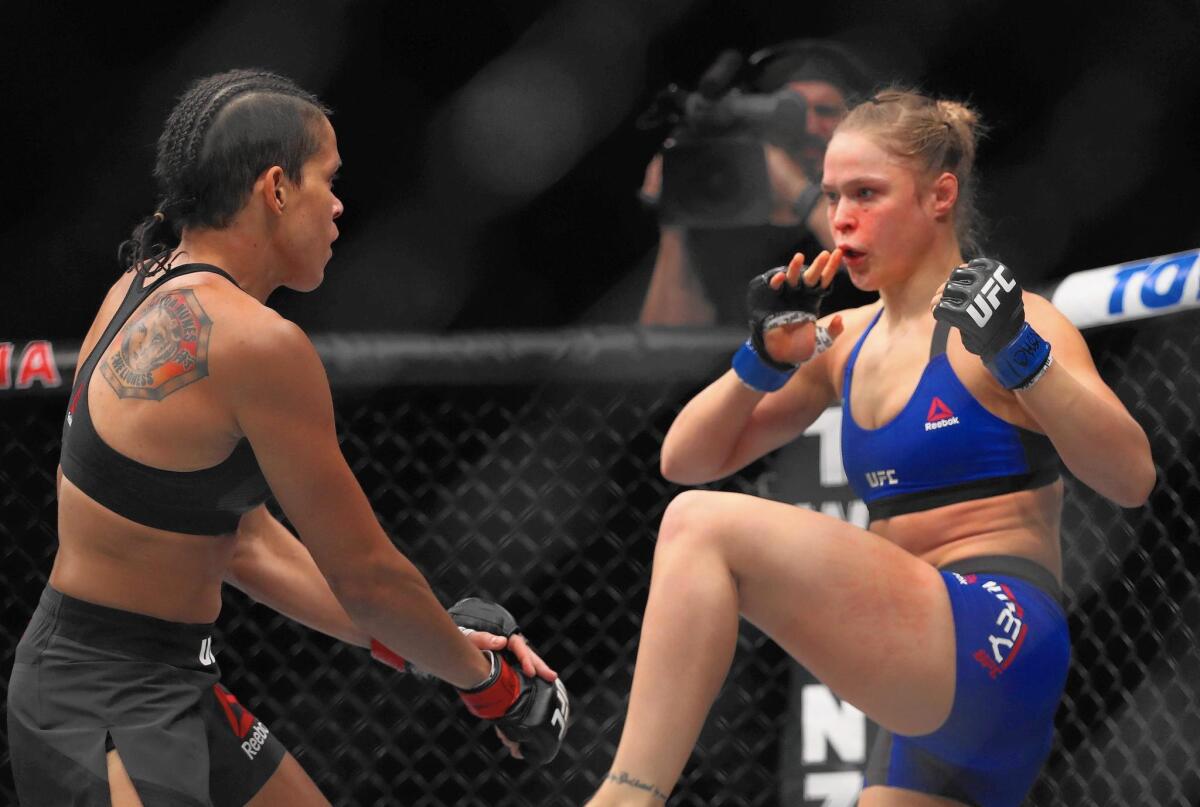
<point>273,567</point>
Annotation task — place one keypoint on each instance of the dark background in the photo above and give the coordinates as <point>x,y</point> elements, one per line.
<point>491,160</point>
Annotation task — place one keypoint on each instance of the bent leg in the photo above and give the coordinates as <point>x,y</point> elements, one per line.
<point>867,618</point>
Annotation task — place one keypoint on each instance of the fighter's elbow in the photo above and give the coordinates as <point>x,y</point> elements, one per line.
<point>682,472</point>
<point>1141,486</point>
<point>1133,487</point>
<point>671,469</point>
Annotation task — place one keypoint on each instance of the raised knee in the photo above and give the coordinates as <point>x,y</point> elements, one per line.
<point>688,519</point>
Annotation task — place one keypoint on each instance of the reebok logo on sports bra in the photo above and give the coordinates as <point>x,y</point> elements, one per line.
<point>939,415</point>
<point>941,448</point>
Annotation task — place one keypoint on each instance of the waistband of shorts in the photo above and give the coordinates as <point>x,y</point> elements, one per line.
<point>181,644</point>
<point>1025,569</point>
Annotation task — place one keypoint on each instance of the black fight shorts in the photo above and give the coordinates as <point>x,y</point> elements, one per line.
<point>89,678</point>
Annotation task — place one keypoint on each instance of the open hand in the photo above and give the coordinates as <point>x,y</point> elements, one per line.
<point>531,663</point>
<point>795,343</point>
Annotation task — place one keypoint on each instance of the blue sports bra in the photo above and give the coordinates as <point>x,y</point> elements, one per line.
<point>943,447</point>
<point>210,501</point>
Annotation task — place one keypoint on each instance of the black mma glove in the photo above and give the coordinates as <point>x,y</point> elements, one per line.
<point>772,308</point>
<point>984,302</point>
<point>530,711</point>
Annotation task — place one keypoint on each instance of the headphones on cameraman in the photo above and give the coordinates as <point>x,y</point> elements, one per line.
<point>766,71</point>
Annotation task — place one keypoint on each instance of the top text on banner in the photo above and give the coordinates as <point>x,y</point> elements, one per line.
<point>1144,288</point>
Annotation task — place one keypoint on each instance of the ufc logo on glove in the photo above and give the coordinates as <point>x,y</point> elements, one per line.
<point>979,309</point>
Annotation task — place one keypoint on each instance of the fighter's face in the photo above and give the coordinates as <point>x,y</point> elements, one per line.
<point>313,208</point>
<point>878,210</point>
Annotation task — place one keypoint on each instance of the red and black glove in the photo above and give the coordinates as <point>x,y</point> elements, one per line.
<point>530,711</point>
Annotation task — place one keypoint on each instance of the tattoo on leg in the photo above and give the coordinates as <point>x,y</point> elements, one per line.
<point>164,349</point>
<point>624,778</point>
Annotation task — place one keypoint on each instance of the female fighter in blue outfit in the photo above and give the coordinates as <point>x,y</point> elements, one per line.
<point>960,393</point>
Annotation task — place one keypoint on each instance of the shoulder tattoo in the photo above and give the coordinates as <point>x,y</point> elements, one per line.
<point>164,349</point>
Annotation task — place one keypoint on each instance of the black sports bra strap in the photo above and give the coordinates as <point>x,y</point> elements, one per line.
<point>185,269</point>
<point>941,333</point>
<point>192,268</point>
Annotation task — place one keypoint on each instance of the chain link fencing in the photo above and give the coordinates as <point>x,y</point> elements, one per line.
<point>525,469</point>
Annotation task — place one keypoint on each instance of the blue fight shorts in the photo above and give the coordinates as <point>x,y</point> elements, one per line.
<point>1013,651</point>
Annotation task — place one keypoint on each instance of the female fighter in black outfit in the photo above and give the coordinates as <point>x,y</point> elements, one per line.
<point>193,402</point>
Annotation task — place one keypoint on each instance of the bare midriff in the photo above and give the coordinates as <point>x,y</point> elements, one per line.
<point>106,559</point>
<point>1024,524</point>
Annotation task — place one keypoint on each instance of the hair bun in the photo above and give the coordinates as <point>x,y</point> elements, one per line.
<point>958,113</point>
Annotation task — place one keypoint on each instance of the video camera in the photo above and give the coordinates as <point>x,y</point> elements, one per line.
<point>714,171</point>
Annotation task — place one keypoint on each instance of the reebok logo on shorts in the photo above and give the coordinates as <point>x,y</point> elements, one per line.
<point>939,416</point>
<point>240,719</point>
<point>253,745</point>
<point>1005,641</point>
<point>242,722</point>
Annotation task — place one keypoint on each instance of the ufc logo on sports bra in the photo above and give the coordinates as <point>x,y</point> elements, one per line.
<point>879,479</point>
<point>979,308</point>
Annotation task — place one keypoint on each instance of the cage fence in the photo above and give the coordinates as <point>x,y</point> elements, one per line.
<point>524,468</point>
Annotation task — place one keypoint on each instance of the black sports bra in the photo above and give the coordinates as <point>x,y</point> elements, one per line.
<point>209,501</point>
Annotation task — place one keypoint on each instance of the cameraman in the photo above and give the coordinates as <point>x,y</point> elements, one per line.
<point>707,253</point>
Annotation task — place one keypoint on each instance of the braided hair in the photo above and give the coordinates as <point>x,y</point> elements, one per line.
<point>934,135</point>
<point>222,134</point>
